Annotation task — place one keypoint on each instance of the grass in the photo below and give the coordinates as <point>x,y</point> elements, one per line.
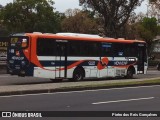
<point>112,85</point>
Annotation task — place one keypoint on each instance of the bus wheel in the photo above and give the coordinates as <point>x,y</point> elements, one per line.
<point>78,74</point>
<point>129,74</point>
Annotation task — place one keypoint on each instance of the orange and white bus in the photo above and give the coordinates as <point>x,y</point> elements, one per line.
<point>75,56</point>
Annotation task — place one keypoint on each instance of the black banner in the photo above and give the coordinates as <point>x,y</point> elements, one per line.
<point>38,114</point>
<point>3,49</point>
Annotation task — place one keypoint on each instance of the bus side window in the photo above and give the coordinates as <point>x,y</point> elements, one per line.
<point>107,49</point>
<point>119,50</point>
<point>83,48</point>
<point>130,50</point>
<point>45,47</point>
<point>93,49</point>
<point>74,48</point>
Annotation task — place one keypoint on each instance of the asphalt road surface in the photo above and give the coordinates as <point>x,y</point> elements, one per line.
<point>6,79</point>
<point>117,99</point>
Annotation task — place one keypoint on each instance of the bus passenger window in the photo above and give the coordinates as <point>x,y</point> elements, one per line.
<point>119,49</point>
<point>93,49</point>
<point>74,48</point>
<point>107,49</point>
<point>45,47</point>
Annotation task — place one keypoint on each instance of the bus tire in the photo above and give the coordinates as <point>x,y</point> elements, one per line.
<point>130,73</point>
<point>78,74</point>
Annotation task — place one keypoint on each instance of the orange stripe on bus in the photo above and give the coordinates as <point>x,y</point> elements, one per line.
<point>61,37</point>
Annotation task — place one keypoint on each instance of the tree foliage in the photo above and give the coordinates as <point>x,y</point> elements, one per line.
<point>29,16</point>
<point>148,30</point>
<point>115,13</point>
<point>3,30</point>
<point>153,8</point>
<point>155,2</point>
<point>79,22</point>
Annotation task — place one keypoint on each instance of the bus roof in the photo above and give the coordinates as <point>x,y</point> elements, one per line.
<point>83,38</point>
<point>79,35</point>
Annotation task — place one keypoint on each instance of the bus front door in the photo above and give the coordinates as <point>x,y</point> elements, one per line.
<point>141,58</point>
<point>61,59</point>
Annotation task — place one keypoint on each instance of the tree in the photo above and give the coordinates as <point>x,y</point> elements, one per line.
<point>115,13</point>
<point>153,8</point>
<point>148,30</point>
<point>3,30</point>
<point>155,2</point>
<point>29,16</point>
<point>78,21</point>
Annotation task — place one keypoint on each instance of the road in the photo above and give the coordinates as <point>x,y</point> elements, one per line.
<point>14,80</point>
<point>116,99</point>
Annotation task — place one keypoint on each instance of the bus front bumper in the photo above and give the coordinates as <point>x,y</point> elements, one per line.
<point>21,73</point>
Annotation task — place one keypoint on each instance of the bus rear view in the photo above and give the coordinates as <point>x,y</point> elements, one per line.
<point>17,62</point>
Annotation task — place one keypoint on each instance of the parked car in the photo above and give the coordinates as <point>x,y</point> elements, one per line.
<point>158,66</point>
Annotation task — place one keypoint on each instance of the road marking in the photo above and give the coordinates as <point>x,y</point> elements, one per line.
<point>83,91</point>
<point>127,100</point>
<point>1,76</point>
<point>152,71</point>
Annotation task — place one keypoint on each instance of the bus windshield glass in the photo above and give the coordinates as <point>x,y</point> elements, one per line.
<point>19,42</point>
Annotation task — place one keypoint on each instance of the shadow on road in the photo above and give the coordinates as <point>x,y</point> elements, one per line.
<point>66,81</point>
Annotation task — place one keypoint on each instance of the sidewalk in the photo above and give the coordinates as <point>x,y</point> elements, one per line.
<point>152,68</point>
<point>3,69</point>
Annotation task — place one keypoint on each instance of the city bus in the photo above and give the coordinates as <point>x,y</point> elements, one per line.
<point>75,56</point>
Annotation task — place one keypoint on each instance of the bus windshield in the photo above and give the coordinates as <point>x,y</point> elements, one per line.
<point>19,42</point>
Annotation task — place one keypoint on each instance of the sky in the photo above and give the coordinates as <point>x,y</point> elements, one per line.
<point>63,5</point>
<point>60,5</point>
